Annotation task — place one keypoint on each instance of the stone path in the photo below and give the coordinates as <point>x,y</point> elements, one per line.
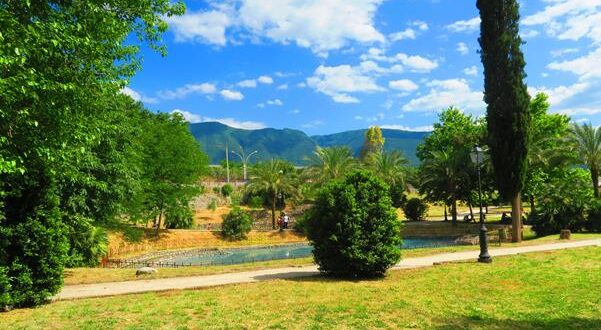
<point>178,283</point>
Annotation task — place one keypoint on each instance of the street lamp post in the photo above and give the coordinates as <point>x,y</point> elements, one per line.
<point>484,255</point>
<point>244,160</point>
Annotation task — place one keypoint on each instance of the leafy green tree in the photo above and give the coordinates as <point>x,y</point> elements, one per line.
<point>331,163</point>
<point>587,144</point>
<point>274,179</point>
<point>173,165</point>
<point>354,228</point>
<point>446,172</point>
<point>373,144</point>
<point>390,167</point>
<point>548,150</point>
<point>58,67</point>
<point>415,209</point>
<point>508,116</point>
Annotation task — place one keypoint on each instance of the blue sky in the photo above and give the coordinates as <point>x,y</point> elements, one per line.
<point>325,66</point>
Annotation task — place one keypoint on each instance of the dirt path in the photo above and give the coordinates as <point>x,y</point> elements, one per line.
<point>179,283</point>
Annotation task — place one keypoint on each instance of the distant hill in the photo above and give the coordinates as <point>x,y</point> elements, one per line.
<point>292,145</point>
<point>404,141</point>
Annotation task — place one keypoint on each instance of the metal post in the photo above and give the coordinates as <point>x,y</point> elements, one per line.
<point>484,255</point>
<point>227,163</point>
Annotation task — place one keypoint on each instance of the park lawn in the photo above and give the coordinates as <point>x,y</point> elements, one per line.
<point>551,290</point>
<point>75,276</point>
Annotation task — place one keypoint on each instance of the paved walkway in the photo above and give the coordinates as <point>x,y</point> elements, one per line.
<point>178,283</point>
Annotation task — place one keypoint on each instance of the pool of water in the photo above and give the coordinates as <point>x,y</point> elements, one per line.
<point>289,251</point>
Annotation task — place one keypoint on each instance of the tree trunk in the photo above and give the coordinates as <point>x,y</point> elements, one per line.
<point>273,211</point>
<point>595,177</point>
<point>454,212</point>
<point>446,218</point>
<point>516,219</point>
<point>159,224</point>
<point>531,204</point>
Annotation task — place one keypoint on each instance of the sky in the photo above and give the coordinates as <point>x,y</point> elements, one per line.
<point>325,66</point>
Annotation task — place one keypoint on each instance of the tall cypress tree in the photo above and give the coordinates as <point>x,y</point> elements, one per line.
<point>507,98</point>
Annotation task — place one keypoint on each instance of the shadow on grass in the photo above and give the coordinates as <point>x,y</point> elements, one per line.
<point>479,322</point>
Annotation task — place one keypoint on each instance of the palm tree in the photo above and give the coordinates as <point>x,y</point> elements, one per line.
<point>586,141</point>
<point>440,176</point>
<point>275,180</point>
<point>331,163</point>
<point>390,167</point>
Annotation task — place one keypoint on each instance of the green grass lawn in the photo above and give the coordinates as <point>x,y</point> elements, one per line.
<point>97,275</point>
<point>553,290</point>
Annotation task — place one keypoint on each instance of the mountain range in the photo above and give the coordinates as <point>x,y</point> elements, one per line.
<point>290,144</point>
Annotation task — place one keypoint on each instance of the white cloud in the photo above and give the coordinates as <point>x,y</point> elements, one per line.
<point>282,87</point>
<point>465,25</point>
<point>265,80</point>
<point>580,111</point>
<point>559,94</point>
<point>404,85</point>
<point>181,92</point>
<point>321,25</point>
<point>276,102</point>
<point>408,33</point>
<point>445,93</point>
<point>586,67</point>
<point>195,118</point>
<point>428,128</point>
<point>230,95</point>
<point>207,27</point>
<point>136,96</point>
<point>370,119</point>
<point>248,83</point>
<point>294,112</point>
<point>528,34</point>
<point>569,19</point>
<point>415,63</point>
<point>462,48</point>
<point>471,71</point>
<point>338,81</point>
<point>565,51</point>
<point>421,25</point>
<point>301,84</point>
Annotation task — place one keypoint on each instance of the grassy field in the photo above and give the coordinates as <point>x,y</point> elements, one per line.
<point>555,290</point>
<point>98,275</point>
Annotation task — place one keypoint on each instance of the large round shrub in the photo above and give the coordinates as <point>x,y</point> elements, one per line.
<point>227,189</point>
<point>354,228</point>
<point>236,224</point>
<point>415,209</point>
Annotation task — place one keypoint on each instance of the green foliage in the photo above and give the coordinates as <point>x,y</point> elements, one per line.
<point>593,223</point>
<point>331,163</point>
<point>68,155</point>
<point>508,115</point>
<point>391,167</point>
<point>586,140</point>
<point>87,243</point>
<point>255,202</point>
<point>180,217</point>
<point>415,209</point>
<point>354,228</point>
<point>373,144</point>
<point>275,180</point>
<point>236,224</point>
<point>212,205</point>
<point>227,189</point>
<point>397,195</point>
<point>447,173</point>
<point>564,203</point>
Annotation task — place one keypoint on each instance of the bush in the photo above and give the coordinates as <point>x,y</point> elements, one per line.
<point>179,218</point>
<point>415,209</point>
<point>255,202</point>
<point>236,224</point>
<point>216,190</point>
<point>593,221</point>
<point>397,195</point>
<point>354,228</point>
<point>212,205</point>
<point>563,203</point>
<point>227,190</point>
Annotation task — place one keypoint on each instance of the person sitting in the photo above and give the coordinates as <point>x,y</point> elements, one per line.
<point>505,218</point>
